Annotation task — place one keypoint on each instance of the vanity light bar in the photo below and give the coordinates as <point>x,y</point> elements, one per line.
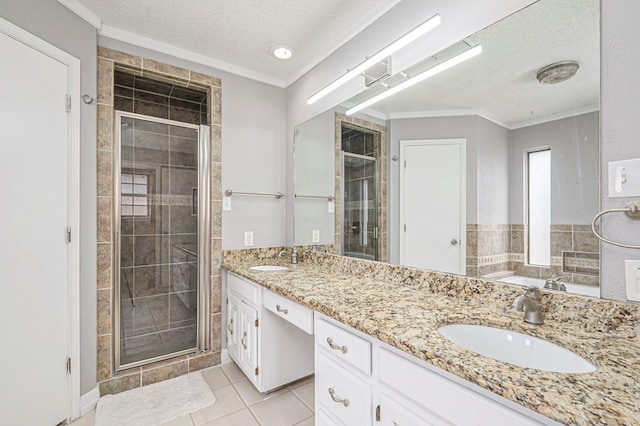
<point>417,79</point>
<point>412,35</point>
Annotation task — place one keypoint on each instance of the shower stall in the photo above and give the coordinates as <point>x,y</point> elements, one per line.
<point>360,206</point>
<point>162,216</point>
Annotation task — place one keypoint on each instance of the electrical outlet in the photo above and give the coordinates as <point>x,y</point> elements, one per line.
<point>226,203</point>
<point>315,236</point>
<point>332,206</point>
<point>632,275</point>
<point>248,238</point>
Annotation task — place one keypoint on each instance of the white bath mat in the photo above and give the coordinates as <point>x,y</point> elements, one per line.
<point>155,404</point>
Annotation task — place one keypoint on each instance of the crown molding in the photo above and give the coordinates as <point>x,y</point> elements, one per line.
<point>554,117</point>
<point>84,13</point>
<point>178,52</point>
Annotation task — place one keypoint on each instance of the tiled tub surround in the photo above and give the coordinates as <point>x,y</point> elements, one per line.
<point>404,307</point>
<point>108,62</point>
<point>495,250</point>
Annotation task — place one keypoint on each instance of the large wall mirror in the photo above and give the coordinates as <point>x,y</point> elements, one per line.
<point>480,170</point>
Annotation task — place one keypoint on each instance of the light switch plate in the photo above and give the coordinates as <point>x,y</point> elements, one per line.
<point>624,178</point>
<point>332,206</point>
<point>248,238</point>
<point>632,277</point>
<point>315,236</point>
<point>226,203</point>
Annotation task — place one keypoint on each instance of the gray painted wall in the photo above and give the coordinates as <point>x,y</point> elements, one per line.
<point>575,167</point>
<point>315,175</point>
<point>620,108</point>
<point>253,156</point>
<point>55,24</point>
<point>492,184</point>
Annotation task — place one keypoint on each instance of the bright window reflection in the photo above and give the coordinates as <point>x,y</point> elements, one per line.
<point>539,207</point>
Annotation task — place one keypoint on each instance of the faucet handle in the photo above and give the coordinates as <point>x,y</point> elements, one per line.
<point>555,278</point>
<point>533,292</point>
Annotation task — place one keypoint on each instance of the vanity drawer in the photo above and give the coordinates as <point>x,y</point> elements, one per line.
<point>295,313</point>
<point>341,393</point>
<point>243,288</point>
<point>344,345</point>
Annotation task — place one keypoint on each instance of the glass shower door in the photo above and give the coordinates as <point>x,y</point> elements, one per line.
<point>160,214</point>
<point>360,206</point>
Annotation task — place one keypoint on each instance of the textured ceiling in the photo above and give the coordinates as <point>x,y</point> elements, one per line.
<point>241,32</point>
<point>501,82</point>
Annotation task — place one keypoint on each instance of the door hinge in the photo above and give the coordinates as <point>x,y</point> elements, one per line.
<point>405,227</point>
<point>68,234</point>
<point>256,323</point>
<point>405,164</point>
<point>257,371</point>
<point>378,413</point>
<point>68,365</point>
<point>68,103</point>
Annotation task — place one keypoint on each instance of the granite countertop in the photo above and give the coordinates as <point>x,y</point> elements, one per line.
<point>407,317</point>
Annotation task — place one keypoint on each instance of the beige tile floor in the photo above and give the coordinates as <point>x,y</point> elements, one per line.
<point>238,403</point>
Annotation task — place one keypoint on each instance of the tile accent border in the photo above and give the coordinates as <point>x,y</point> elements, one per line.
<point>108,61</point>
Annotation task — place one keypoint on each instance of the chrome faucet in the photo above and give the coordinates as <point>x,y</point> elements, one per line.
<point>531,303</point>
<point>554,283</point>
<point>293,254</point>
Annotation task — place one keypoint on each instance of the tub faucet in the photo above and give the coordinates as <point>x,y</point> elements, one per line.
<point>554,283</point>
<point>531,303</point>
<point>293,254</point>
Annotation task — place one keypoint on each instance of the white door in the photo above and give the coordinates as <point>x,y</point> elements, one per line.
<point>36,262</point>
<point>432,204</point>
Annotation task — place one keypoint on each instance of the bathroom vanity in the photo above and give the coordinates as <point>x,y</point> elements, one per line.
<point>376,345</point>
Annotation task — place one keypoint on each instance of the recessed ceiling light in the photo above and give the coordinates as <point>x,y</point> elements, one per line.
<point>282,52</point>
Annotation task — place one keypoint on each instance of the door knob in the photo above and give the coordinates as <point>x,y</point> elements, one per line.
<point>454,242</point>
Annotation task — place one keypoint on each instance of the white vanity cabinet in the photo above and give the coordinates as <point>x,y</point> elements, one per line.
<point>361,380</point>
<point>272,348</point>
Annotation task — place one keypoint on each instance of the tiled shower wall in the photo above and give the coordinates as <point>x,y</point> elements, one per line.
<point>496,249</point>
<point>380,153</point>
<point>108,62</point>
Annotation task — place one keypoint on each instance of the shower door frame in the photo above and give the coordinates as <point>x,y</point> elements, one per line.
<point>344,204</point>
<point>204,234</point>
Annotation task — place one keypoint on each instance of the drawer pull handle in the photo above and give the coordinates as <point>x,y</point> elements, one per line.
<point>279,309</point>
<point>336,347</point>
<point>333,396</point>
<point>230,326</point>
<point>243,341</point>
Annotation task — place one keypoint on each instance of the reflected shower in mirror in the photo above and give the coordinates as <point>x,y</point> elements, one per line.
<point>496,104</point>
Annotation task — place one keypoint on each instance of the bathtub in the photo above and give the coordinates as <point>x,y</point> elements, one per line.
<point>584,290</point>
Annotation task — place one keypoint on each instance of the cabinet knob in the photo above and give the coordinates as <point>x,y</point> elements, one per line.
<point>336,347</point>
<point>279,309</point>
<point>333,396</point>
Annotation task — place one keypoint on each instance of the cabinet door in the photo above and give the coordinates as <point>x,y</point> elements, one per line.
<point>233,328</point>
<point>248,339</point>
<point>393,413</point>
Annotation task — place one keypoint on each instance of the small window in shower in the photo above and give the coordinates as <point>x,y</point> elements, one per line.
<point>539,207</point>
<point>135,198</point>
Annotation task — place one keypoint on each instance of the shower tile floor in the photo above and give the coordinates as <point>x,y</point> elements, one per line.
<point>157,325</point>
<point>239,403</point>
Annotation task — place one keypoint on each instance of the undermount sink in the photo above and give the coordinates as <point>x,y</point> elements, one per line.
<point>516,348</point>
<point>268,268</point>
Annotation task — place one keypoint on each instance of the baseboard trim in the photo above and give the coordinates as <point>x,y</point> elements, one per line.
<point>89,400</point>
<point>224,357</point>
